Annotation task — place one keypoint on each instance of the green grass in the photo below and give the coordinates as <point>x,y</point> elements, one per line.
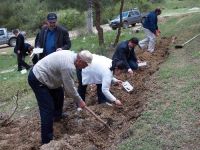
<point>175,4</point>
<point>182,26</point>
<point>13,81</point>
<point>172,113</point>
<point>25,105</point>
<point>90,42</point>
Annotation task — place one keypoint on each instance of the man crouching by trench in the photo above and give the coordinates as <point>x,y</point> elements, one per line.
<point>46,79</point>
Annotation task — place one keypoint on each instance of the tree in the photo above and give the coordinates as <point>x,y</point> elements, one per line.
<point>119,29</point>
<point>89,17</point>
<point>97,8</point>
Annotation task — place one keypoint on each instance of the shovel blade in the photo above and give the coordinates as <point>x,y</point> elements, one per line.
<point>179,46</point>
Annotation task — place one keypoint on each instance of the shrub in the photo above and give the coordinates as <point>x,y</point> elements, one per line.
<point>71,18</point>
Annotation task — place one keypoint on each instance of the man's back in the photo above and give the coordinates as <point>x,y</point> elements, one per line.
<point>151,22</point>
<point>95,72</point>
<point>20,42</point>
<point>50,70</point>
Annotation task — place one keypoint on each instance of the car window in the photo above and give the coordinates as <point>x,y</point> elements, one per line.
<point>136,13</point>
<point>124,14</point>
<point>131,13</point>
<point>1,32</point>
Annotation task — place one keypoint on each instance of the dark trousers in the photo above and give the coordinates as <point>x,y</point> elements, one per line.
<point>133,64</point>
<point>21,62</point>
<point>35,59</point>
<point>50,102</point>
<point>82,89</point>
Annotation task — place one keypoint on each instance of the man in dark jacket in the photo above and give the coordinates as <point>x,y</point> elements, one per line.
<point>20,51</point>
<point>35,58</point>
<point>151,30</point>
<point>53,37</point>
<point>125,52</point>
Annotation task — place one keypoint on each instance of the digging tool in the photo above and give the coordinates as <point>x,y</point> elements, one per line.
<point>181,46</point>
<point>99,119</point>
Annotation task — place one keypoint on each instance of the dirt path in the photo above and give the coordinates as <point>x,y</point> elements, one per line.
<point>83,131</point>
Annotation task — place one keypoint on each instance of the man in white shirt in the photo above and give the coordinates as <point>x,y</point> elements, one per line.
<point>100,72</point>
<point>47,78</point>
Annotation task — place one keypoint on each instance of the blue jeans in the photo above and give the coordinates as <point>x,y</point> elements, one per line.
<point>50,102</point>
<point>82,89</point>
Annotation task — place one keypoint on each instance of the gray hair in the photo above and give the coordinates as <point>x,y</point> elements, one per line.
<point>86,56</point>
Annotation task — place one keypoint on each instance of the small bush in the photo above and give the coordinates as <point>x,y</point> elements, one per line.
<point>71,18</point>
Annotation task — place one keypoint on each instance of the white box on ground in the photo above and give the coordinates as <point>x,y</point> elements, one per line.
<point>142,64</point>
<point>127,86</point>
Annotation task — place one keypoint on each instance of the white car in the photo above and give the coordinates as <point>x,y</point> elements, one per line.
<point>8,37</point>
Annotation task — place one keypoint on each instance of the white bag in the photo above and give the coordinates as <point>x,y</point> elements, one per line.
<point>36,51</point>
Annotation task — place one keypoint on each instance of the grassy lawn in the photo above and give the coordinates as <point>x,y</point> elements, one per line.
<point>10,79</point>
<point>172,116</point>
<point>176,4</point>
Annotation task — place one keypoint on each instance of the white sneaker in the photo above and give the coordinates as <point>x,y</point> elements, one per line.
<point>79,109</point>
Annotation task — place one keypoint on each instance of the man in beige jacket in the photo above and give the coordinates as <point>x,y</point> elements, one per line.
<point>46,80</point>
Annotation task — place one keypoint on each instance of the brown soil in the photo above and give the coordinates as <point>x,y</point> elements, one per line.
<point>83,131</point>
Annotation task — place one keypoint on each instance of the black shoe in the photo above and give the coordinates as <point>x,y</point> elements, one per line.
<point>58,119</point>
<point>28,68</point>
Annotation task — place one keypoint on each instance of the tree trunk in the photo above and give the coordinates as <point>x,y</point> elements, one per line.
<point>89,17</point>
<point>119,29</point>
<point>98,21</point>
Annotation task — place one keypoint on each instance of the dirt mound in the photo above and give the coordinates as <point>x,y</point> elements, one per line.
<point>83,131</point>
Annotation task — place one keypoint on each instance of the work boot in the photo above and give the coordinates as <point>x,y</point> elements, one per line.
<point>63,116</point>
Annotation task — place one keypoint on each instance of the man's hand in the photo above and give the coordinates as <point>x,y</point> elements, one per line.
<point>82,104</point>
<point>130,71</point>
<point>18,52</point>
<point>118,103</point>
<point>158,32</point>
<point>139,61</point>
<point>118,82</point>
<point>59,49</point>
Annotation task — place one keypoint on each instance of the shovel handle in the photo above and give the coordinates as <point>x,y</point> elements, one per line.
<point>99,119</point>
<point>191,39</point>
<point>91,112</point>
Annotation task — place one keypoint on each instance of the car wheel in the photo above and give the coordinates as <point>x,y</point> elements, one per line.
<point>12,42</point>
<point>125,25</point>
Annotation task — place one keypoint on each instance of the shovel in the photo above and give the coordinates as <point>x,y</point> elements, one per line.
<point>181,46</point>
<point>99,119</point>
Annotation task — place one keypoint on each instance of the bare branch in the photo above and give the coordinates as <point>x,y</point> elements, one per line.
<point>7,120</point>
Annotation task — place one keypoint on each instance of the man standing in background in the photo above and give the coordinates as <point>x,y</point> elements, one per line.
<point>20,50</point>
<point>151,30</point>
<point>53,37</point>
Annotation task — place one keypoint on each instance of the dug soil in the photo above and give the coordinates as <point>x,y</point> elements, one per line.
<point>82,131</point>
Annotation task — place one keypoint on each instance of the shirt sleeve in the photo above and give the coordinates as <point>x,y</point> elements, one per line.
<point>106,82</point>
<point>69,86</point>
<point>114,80</point>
